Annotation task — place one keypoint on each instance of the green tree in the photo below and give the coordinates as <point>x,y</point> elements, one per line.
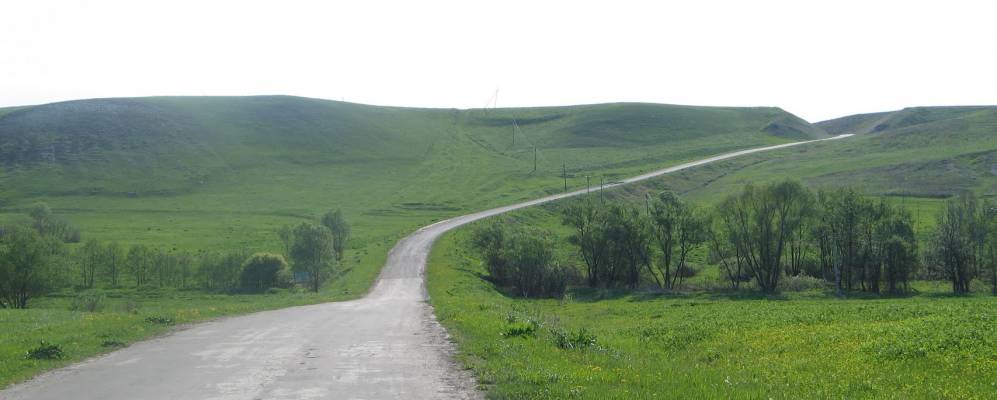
<point>629,238</point>
<point>521,259</point>
<point>678,229</point>
<point>139,262</point>
<point>725,254</point>
<point>221,271</point>
<point>313,253</point>
<point>340,229</point>
<point>114,262</point>
<point>491,241</point>
<point>842,219</point>
<point>897,249</point>
<point>286,236</point>
<point>760,221</point>
<point>263,271</point>
<point>41,216</point>
<point>589,222</point>
<point>48,225</point>
<point>90,257</point>
<point>29,266</point>
<point>989,214</point>
<point>953,242</point>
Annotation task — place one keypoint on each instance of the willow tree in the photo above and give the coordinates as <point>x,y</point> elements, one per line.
<point>760,222</point>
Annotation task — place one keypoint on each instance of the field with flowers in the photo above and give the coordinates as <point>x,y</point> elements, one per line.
<point>699,344</point>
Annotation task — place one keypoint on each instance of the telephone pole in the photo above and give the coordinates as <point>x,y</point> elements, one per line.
<point>534,158</point>
<point>564,174</point>
<point>588,184</point>
<point>602,182</point>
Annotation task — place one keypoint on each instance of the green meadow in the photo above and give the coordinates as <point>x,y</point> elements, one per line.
<point>705,341</point>
<point>222,174</point>
<point>710,344</point>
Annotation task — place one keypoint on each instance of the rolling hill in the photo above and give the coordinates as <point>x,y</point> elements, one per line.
<point>168,146</point>
<point>218,173</point>
<point>698,341</point>
<point>924,152</point>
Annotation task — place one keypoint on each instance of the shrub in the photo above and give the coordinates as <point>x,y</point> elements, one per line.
<point>29,266</point>
<point>801,283</point>
<point>687,271</point>
<point>87,303</point>
<point>112,343</point>
<point>519,329</point>
<point>131,307</point>
<point>263,271</point>
<point>573,340</point>
<point>45,351</point>
<point>521,259</point>
<point>156,319</point>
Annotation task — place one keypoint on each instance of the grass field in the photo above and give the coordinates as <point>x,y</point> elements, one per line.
<point>711,343</point>
<point>222,173</point>
<point>705,342</point>
<point>197,174</point>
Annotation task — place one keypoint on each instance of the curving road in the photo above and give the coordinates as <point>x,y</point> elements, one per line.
<point>386,345</point>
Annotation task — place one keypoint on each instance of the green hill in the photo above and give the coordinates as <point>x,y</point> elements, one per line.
<point>689,343</point>
<point>194,173</point>
<point>169,146</point>
<point>917,156</point>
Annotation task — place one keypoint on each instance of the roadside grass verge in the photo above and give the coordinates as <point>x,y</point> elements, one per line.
<point>714,344</point>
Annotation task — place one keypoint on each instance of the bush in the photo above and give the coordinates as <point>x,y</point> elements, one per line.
<point>521,259</point>
<point>801,283</point>
<point>87,303</point>
<point>687,271</point>
<point>263,271</point>
<point>29,266</point>
<point>573,340</point>
<point>519,329</point>
<point>112,343</point>
<point>131,307</point>
<point>45,351</point>
<point>156,319</point>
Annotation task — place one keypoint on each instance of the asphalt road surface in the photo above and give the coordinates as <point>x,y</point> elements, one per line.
<point>386,345</point>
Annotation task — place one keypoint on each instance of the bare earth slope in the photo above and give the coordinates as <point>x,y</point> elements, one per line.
<point>386,345</point>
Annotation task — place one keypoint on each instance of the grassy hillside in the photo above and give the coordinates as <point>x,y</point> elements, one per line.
<point>712,344</point>
<point>194,174</point>
<point>705,343</point>
<point>223,172</point>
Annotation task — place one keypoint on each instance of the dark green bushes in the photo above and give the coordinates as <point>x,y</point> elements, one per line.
<point>521,260</point>
<point>46,351</point>
<point>264,271</point>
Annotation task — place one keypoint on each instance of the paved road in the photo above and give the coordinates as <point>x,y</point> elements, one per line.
<point>386,345</point>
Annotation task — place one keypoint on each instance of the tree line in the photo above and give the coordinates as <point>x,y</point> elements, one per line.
<point>35,260</point>
<point>763,234</point>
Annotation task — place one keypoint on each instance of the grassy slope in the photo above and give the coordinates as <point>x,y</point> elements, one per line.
<point>222,173</point>
<point>700,345</point>
<point>809,345</point>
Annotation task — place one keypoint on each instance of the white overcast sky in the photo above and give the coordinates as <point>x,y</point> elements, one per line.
<point>817,59</point>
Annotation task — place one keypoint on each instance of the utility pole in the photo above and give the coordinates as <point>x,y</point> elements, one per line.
<point>534,158</point>
<point>564,174</point>
<point>602,182</point>
<point>647,203</point>
<point>588,184</point>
